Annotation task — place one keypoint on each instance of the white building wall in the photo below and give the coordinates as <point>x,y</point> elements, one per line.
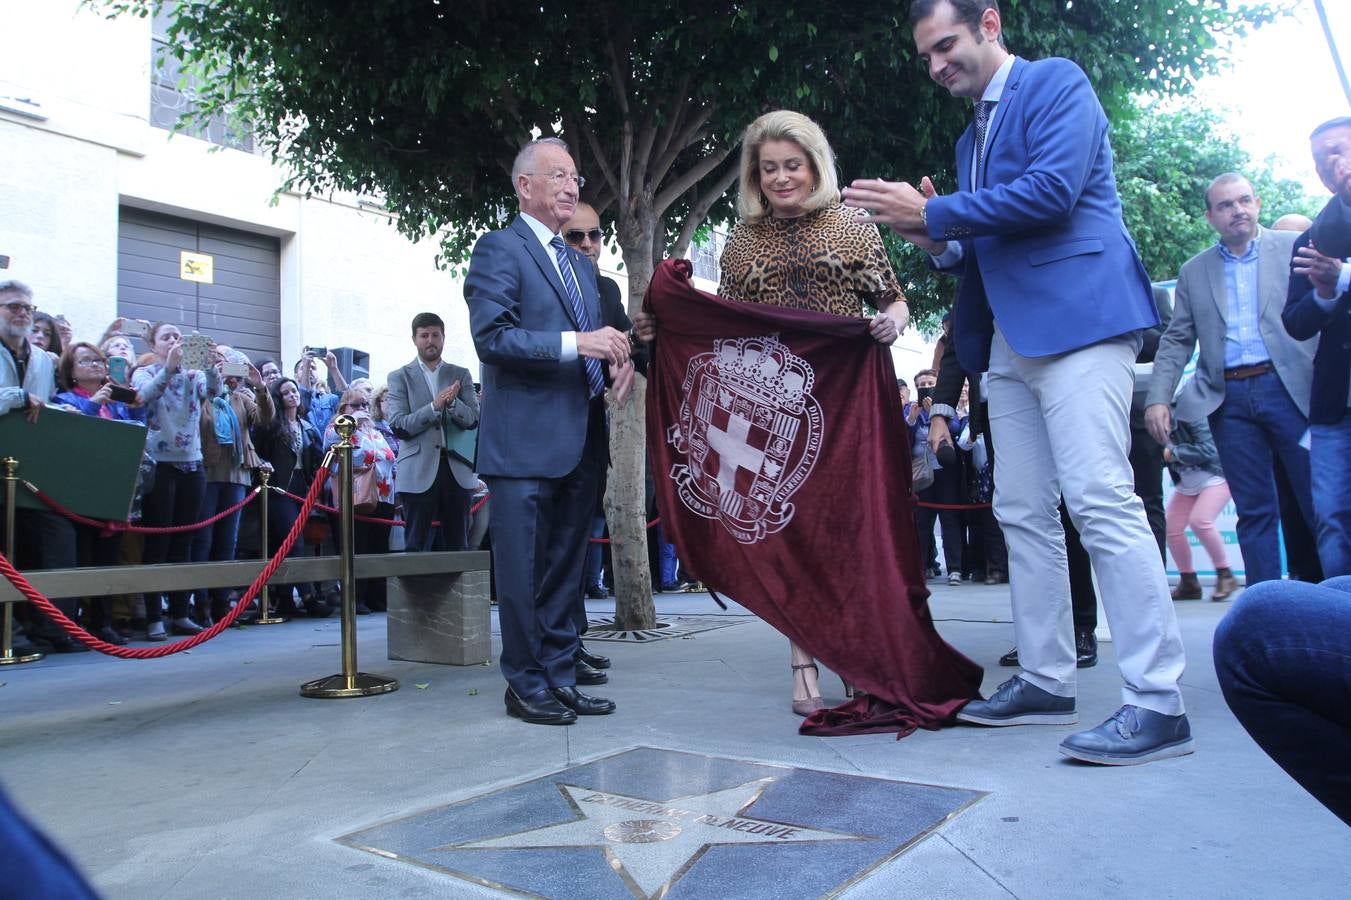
<point>75,144</point>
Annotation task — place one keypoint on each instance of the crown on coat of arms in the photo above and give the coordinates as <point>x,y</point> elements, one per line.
<point>764,367</point>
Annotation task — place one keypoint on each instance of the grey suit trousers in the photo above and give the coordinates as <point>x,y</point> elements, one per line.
<point>1061,426</point>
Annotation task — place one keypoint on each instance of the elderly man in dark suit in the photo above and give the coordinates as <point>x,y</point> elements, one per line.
<point>535,314</point>
<point>1319,305</point>
<point>1252,377</point>
<point>433,483</point>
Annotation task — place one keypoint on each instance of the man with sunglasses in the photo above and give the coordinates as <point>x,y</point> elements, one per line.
<point>583,233</point>
<point>44,540</point>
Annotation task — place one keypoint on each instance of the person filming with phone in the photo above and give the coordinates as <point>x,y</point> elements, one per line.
<point>173,389</point>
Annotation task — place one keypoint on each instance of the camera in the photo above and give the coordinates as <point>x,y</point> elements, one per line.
<point>320,352</point>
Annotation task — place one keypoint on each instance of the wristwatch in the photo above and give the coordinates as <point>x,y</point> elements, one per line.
<point>924,213</point>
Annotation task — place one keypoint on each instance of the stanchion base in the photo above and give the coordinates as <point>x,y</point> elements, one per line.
<point>359,685</point>
<point>270,620</point>
<point>15,659</point>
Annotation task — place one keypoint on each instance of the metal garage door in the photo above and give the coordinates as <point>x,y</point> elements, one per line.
<point>241,303</point>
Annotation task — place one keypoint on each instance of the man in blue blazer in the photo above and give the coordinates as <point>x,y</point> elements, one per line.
<point>1052,303</point>
<point>535,315</point>
<point>1319,304</point>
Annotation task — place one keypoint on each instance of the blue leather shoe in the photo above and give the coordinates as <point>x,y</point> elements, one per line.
<point>1133,735</point>
<point>1019,702</point>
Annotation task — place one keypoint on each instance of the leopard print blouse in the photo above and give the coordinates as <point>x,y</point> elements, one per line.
<point>824,261</point>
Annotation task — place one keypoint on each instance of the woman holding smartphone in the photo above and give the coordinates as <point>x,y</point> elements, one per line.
<point>173,398</point>
<point>84,368</point>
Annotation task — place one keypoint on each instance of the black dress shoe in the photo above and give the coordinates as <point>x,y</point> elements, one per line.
<point>540,708</point>
<point>1010,658</point>
<point>580,703</point>
<point>66,644</point>
<point>589,674</point>
<point>594,660</point>
<point>597,592</point>
<point>1085,650</point>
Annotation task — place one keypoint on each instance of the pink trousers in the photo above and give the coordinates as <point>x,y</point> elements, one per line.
<point>1199,512</point>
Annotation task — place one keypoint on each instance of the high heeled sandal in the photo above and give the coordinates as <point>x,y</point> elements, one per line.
<point>814,702</point>
<point>849,690</point>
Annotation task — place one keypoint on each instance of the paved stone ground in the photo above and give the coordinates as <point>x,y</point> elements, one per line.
<point>206,775</point>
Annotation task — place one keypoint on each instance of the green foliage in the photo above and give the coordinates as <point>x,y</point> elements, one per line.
<point>1166,155</point>
<point>426,101</point>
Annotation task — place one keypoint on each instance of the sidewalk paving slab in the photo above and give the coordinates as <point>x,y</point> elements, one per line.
<point>205,774</point>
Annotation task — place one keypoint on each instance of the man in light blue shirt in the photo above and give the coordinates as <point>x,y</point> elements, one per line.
<point>1252,378</point>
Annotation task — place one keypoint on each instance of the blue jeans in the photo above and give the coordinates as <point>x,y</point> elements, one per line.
<point>1283,658</point>
<point>1257,427</point>
<point>1329,453</point>
<point>217,542</point>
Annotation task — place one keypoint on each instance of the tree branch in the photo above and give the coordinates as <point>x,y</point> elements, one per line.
<point>699,210</point>
<point>676,113</point>
<point>688,135</point>
<point>689,179</point>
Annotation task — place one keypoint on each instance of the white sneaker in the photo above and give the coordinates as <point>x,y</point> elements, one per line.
<point>954,578</point>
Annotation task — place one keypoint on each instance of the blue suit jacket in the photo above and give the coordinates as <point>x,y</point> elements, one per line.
<point>1045,252</point>
<point>1304,318</point>
<point>535,407</point>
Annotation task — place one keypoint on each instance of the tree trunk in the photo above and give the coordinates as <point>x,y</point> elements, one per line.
<point>625,495</point>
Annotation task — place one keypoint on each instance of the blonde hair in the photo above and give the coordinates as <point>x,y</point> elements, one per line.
<point>785,125</point>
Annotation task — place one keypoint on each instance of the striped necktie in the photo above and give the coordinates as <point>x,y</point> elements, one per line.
<point>595,378</point>
<point>983,110</point>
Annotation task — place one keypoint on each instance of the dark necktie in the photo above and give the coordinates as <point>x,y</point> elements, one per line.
<point>984,108</point>
<point>595,378</point>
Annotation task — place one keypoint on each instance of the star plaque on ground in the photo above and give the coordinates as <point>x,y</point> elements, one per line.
<point>649,823</point>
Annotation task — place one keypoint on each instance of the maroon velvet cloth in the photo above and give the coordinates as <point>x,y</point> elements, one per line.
<point>782,467</point>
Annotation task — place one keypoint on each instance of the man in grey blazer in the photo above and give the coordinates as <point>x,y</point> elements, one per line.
<point>536,318</point>
<point>433,484</point>
<point>1252,378</point>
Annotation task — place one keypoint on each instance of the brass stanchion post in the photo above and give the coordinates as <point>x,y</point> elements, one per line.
<point>265,617</point>
<point>350,683</point>
<point>7,655</point>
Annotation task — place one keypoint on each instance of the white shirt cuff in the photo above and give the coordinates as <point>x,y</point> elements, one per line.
<point>1343,283</point>
<point>949,257</point>
<point>568,352</point>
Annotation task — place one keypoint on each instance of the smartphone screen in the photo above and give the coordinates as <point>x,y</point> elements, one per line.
<point>117,369</point>
<point>196,352</point>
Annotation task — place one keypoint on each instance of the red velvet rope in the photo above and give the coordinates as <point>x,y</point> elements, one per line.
<point>375,519</point>
<point>93,643</point>
<point>111,526</point>
<point>473,509</point>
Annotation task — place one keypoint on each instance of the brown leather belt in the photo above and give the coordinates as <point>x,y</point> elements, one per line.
<point>1240,372</point>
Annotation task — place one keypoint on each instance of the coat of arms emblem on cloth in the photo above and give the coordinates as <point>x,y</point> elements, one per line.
<point>750,431</point>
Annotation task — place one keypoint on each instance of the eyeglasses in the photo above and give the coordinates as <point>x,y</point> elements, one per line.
<point>90,363</point>
<point>358,406</point>
<point>20,309</point>
<point>576,235</point>
<point>561,178</point>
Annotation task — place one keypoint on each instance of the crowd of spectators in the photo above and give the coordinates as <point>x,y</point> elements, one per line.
<point>214,431</point>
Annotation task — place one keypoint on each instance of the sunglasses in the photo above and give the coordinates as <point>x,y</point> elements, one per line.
<point>576,235</point>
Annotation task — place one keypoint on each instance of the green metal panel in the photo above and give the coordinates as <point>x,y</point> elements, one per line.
<point>85,463</point>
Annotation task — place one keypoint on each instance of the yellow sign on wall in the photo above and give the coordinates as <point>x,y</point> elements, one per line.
<point>195,267</point>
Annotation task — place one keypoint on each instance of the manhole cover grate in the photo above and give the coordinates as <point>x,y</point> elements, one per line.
<point>603,629</point>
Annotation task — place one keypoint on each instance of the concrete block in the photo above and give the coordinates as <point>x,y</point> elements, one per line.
<point>440,618</point>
